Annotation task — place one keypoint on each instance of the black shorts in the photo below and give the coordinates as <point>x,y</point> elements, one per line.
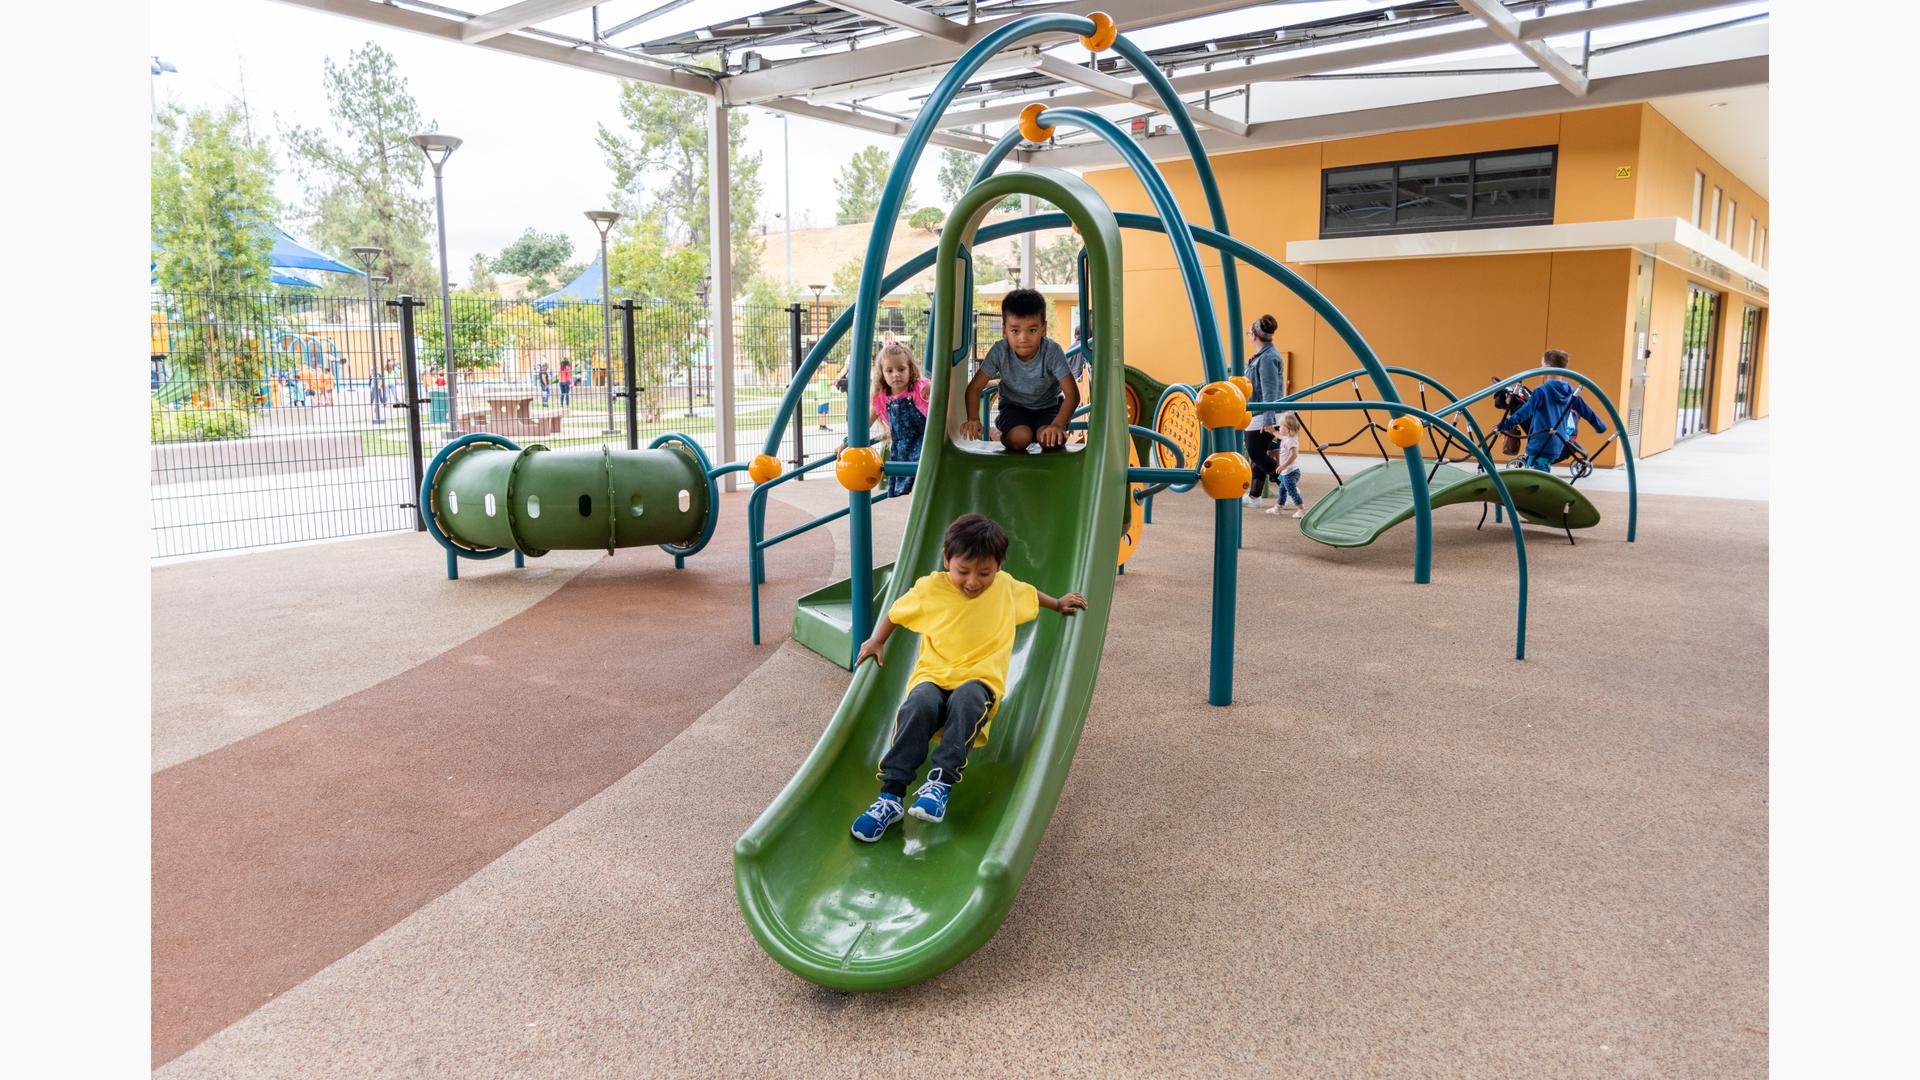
<point>1012,416</point>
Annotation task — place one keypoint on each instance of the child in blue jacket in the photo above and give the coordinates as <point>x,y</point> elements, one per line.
<point>1551,417</point>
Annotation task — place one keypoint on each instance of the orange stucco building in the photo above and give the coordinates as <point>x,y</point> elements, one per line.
<point>1605,262</point>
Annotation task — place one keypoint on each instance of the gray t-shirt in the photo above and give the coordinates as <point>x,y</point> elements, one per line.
<point>1031,384</point>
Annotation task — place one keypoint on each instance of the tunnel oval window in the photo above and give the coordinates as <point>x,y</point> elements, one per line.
<point>586,506</point>
<point>635,507</point>
<point>490,506</point>
<point>686,500</point>
<point>533,506</point>
<point>453,502</point>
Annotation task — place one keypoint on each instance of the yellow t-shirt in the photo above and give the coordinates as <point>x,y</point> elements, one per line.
<point>962,639</point>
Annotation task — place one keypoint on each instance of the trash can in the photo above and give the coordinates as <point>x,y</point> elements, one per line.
<point>437,406</point>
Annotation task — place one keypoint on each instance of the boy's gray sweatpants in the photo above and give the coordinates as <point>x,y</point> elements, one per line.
<point>957,714</point>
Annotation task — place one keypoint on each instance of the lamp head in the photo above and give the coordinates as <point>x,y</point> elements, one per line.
<point>367,254</point>
<point>436,147</point>
<point>603,220</point>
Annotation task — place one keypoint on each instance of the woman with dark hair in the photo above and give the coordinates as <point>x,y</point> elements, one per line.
<point>1269,384</point>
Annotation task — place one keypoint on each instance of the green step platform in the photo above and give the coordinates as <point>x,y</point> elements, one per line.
<point>1379,497</point>
<point>823,619</point>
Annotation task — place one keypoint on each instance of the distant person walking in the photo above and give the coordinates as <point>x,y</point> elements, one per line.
<point>546,384</point>
<point>377,391</point>
<point>566,382</point>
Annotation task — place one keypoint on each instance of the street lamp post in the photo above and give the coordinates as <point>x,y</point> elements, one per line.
<point>699,291</point>
<point>438,148</point>
<point>379,280</point>
<point>367,255</point>
<point>603,220</point>
<point>813,331</point>
<point>156,68</point>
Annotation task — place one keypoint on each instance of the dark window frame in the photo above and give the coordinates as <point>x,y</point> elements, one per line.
<point>1473,173</point>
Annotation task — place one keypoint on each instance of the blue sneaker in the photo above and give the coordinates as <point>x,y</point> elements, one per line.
<point>932,802</point>
<point>879,817</point>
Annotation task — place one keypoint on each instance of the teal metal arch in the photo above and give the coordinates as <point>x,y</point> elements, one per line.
<point>1480,454</point>
<point>1619,425</point>
<point>1226,512</point>
<point>867,298</point>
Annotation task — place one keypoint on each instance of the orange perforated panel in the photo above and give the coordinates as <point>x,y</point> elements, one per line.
<point>1130,531</point>
<point>1134,408</point>
<point>1178,421</point>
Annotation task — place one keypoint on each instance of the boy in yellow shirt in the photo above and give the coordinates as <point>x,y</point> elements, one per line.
<point>965,616</point>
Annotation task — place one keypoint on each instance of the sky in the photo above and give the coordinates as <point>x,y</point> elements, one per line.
<point>528,159</point>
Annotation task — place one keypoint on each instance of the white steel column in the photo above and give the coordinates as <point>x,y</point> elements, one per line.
<point>1026,245</point>
<point>720,296</point>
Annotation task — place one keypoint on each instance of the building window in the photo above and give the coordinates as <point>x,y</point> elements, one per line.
<point>1753,227</point>
<point>1733,214</point>
<point>1763,246</point>
<point>1477,191</point>
<point>1699,189</point>
<point>1713,216</point>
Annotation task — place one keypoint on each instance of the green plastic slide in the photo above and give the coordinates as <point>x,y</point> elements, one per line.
<point>1381,496</point>
<point>177,387</point>
<point>858,916</point>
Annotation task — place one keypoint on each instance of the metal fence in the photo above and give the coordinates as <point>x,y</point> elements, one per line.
<point>283,418</point>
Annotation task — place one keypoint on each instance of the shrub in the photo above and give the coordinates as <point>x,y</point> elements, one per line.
<point>197,424</point>
<point>929,218</point>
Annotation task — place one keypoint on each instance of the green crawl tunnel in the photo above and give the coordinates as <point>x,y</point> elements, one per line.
<point>485,496</point>
<point>857,916</point>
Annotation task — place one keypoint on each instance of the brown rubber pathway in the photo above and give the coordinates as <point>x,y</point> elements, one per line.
<point>278,854</point>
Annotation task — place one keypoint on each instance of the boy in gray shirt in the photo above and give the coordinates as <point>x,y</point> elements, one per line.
<point>1037,391</point>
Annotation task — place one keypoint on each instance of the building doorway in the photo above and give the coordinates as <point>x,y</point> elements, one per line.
<point>1642,347</point>
<point>1749,363</point>
<point>1696,361</point>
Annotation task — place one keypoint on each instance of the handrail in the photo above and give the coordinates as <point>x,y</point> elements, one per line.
<point>756,525</point>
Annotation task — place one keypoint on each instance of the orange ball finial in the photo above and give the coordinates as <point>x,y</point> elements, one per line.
<point>1226,475</point>
<point>1244,384</point>
<point>763,467</point>
<point>858,468</point>
<point>1104,31</point>
<point>1222,405</point>
<point>1406,431</point>
<point>1030,128</point>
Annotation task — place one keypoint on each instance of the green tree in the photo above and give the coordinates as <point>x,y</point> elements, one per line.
<point>479,277</point>
<point>929,218</point>
<point>860,184</point>
<point>1058,262</point>
<point>477,337</point>
<point>956,174</point>
<point>663,278</point>
<point>659,164</point>
<point>364,183</point>
<point>538,256</point>
<point>212,206</point>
